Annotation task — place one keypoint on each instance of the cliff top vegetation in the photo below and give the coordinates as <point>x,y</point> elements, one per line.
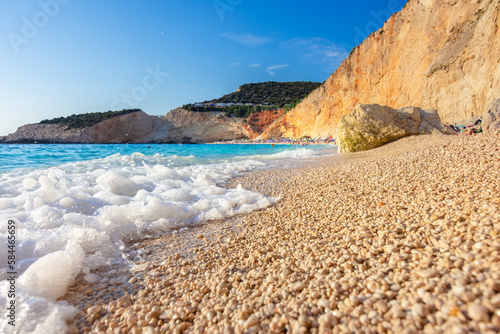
<point>256,97</point>
<point>271,92</point>
<point>86,120</point>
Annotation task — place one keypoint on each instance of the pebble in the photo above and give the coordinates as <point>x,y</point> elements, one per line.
<point>478,312</point>
<point>298,287</point>
<point>94,309</point>
<point>251,321</point>
<point>427,273</point>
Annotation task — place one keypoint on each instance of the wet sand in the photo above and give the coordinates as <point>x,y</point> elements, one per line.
<point>403,238</point>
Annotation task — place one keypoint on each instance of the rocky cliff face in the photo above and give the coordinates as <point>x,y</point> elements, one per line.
<point>177,126</point>
<point>433,54</point>
<point>44,133</point>
<point>259,121</point>
<point>137,127</point>
<point>200,127</point>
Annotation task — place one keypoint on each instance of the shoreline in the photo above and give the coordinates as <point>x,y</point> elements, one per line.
<point>289,269</point>
<point>287,141</point>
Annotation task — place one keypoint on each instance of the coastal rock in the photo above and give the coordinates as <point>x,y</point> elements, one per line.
<point>491,118</point>
<point>134,128</point>
<point>372,125</point>
<point>178,126</point>
<point>200,127</point>
<point>452,66</point>
<point>257,122</point>
<point>430,122</point>
<point>45,133</point>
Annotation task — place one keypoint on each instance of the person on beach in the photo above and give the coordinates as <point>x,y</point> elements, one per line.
<point>476,128</point>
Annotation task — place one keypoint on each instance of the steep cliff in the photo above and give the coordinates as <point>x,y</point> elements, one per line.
<point>200,127</point>
<point>259,121</point>
<point>177,126</point>
<point>433,54</point>
<point>133,128</point>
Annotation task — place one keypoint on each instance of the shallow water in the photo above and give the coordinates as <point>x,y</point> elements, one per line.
<point>34,156</point>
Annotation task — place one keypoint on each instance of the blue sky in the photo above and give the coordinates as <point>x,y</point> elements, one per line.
<point>63,57</point>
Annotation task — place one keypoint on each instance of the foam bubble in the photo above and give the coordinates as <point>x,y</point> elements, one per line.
<point>63,265</point>
<point>298,153</point>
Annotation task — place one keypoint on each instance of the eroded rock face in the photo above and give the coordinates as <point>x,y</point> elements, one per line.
<point>45,133</point>
<point>133,128</point>
<point>372,125</point>
<point>259,121</point>
<point>491,118</point>
<point>200,127</point>
<point>436,54</point>
<point>178,126</point>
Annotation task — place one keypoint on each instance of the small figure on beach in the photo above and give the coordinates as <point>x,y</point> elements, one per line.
<point>476,128</point>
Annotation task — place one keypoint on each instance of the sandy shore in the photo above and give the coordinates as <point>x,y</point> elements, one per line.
<point>400,239</point>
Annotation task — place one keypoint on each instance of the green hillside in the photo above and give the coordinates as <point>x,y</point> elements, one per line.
<point>85,120</point>
<point>262,96</point>
<point>274,93</point>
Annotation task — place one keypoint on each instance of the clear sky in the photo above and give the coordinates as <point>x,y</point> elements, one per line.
<point>63,57</point>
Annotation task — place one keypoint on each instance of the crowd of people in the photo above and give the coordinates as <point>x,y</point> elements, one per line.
<point>467,130</point>
<point>284,141</point>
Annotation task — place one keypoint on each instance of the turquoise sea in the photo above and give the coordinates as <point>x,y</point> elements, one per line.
<point>76,207</point>
<point>32,156</point>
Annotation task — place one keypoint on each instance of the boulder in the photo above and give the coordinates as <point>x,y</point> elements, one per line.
<point>430,122</point>
<point>491,118</point>
<point>372,125</point>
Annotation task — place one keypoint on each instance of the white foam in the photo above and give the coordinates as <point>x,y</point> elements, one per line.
<point>45,280</point>
<point>298,153</point>
<point>64,266</point>
<point>76,217</point>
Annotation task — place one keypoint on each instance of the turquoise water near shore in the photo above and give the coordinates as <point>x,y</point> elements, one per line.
<point>76,207</point>
<point>32,156</point>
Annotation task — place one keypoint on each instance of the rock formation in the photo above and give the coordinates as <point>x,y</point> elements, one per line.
<point>259,121</point>
<point>491,118</point>
<point>44,133</point>
<point>434,54</point>
<point>200,127</point>
<point>134,128</point>
<point>372,125</point>
<point>178,126</point>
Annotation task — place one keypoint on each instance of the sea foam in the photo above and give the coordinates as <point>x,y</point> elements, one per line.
<point>78,217</point>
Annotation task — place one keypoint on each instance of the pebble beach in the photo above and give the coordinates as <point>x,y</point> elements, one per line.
<point>400,239</point>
